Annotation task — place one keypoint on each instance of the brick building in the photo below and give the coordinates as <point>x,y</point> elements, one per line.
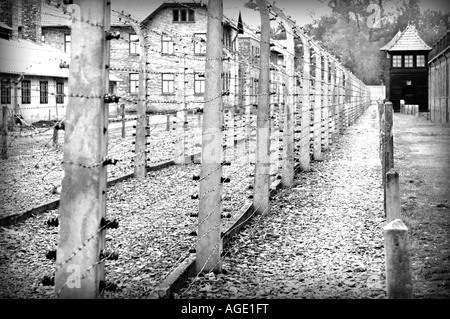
<point>175,43</point>
<point>175,37</point>
<point>33,85</point>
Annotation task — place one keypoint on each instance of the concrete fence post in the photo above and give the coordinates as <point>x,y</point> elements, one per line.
<point>5,132</point>
<point>393,208</point>
<point>317,136</point>
<point>398,264</point>
<point>82,213</point>
<point>208,249</point>
<point>261,202</point>
<point>122,110</point>
<point>180,140</point>
<point>55,137</point>
<point>305,159</point>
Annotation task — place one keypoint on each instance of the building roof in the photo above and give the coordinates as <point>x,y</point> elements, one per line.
<point>408,40</point>
<point>29,58</point>
<point>165,5</point>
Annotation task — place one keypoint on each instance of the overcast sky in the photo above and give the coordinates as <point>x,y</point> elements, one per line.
<point>303,11</point>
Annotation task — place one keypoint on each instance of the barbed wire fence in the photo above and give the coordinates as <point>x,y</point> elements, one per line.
<point>246,139</point>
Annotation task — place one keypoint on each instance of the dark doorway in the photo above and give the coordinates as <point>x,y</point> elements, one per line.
<point>409,95</point>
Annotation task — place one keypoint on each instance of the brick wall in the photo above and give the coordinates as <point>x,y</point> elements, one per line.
<point>123,63</point>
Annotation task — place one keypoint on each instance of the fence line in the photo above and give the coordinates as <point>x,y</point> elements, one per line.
<point>302,107</point>
<point>439,81</point>
<point>395,232</point>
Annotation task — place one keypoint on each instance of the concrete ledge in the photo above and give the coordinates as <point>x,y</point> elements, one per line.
<point>177,278</point>
<point>17,218</point>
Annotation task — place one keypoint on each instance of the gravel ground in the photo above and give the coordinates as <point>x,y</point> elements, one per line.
<point>321,239</point>
<point>152,238</point>
<point>33,169</point>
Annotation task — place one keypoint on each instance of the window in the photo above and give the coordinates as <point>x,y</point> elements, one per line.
<point>166,45</point>
<point>409,61</point>
<point>199,83</point>
<point>26,92</point>
<point>134,43</point>
<point>254,90</point>
<point>67,43</point>
<point>112,88</point>
<point>6,92</point>
<point>168,83</point>
<point>183,15</point>
<point>397,61</point>
<point>200,43</point>
<point>255,55</point>
<point>43,92</point>
<point>134,83</point>
<point>420,62</point>
<point>60,92</point>
<point>226,81</point>
<point>227,40</point>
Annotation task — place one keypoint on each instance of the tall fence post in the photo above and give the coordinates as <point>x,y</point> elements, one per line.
<point>140,159</point>
<point>393,208</point>
<point>387,145</point>
<point>5,132</point>
<point>388,142</point>
<point>209,248</point>
<point>289,108</point>
<point>338,101</point>
<point>332,134</point>
<point>180,142</point>
<point>398,264</point>
<point>79,270</point>
<point>317,142</point>
<point>261,202</point>
<point>305,159</point>
<point>122,111</point>
<point>55,137</point>
<point>325,105</point>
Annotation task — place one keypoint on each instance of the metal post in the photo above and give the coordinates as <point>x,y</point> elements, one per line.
<point>209,248</point>
<point>79,271</point>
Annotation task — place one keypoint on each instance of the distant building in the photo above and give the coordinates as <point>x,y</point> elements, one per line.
<point>33,85</point>
<point>172,30</point>
<point>406,69</point>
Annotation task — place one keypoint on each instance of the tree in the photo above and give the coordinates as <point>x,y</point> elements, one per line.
<point>346,33</point>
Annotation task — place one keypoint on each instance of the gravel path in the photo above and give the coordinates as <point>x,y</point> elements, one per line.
<point>322,238</point>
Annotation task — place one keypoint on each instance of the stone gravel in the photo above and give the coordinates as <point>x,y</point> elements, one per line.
<point>322,237</point>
